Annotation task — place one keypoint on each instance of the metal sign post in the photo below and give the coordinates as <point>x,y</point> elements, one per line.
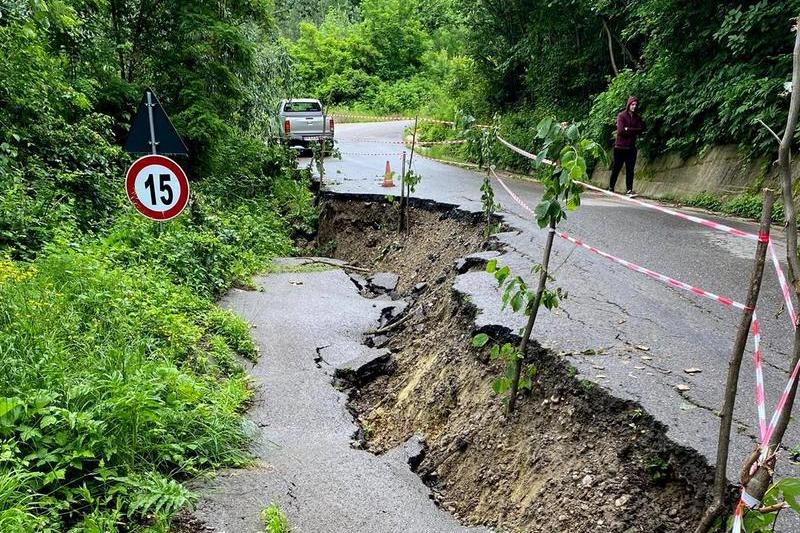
<point>150,105</point>
<point>156,185</point>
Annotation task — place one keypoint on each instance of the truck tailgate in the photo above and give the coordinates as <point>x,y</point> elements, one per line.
<point>310,124</point>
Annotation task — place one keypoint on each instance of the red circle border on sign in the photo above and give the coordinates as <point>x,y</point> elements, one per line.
<point>130,187</point>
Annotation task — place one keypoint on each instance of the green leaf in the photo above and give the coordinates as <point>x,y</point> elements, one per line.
<point>544,128</point>
<point>573,202</point>
<point>541,209</point>
<point>480,340</point>
<point>495,353</point>
<point>568,156</point>
<point>516,301</point>
<point>572,132</point>
<point>501,385</point>
<point>57,474</point>
<point>541,156</point>
<point>491,266</point>
<point>47,421</point>
<point>502,274</point>
<point>790,487</point>
<point>578,170</point>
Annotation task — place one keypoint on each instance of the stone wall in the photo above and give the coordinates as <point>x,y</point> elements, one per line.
<point>722,171</point>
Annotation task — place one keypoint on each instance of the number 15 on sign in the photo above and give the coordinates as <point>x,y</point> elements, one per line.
<point>157,187</point>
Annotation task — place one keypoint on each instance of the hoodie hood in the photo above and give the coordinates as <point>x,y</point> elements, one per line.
<point>631,100</point>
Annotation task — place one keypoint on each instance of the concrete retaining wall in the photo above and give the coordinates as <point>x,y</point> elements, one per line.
<point>721,171</point>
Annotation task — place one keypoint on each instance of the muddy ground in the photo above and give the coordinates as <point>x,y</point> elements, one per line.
<point>572,458</point>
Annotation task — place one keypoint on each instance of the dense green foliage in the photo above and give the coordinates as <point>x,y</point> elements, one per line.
<point>383,55</point>
<point>704,72</point>
<point>120,374</point>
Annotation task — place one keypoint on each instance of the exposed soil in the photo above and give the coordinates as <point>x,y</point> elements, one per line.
<point>572,458</point>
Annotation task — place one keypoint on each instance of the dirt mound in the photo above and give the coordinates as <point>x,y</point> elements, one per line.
<point>571,458</point>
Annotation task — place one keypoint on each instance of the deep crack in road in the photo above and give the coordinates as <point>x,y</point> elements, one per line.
<point>682,331</point>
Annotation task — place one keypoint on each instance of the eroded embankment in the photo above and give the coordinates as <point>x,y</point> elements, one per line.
<point>572,458</point>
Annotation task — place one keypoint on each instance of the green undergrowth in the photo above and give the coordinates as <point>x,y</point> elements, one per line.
<point>121,377</point>
<point>745,205</point>
<point>274,520</point>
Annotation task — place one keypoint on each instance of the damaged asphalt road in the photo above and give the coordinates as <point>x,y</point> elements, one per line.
<point>309,326</point>
<point>632,335</point>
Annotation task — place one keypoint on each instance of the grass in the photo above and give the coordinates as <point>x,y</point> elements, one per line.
<point>745,205</point>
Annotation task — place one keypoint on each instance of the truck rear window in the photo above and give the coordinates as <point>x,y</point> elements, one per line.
<point>301,107</point>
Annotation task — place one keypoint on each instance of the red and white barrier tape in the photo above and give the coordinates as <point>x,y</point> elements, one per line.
<point>785,290</point>
<point>755,330</point>
<point>420,143</point>
<point>376,153</point>
<point>691,218</point>
<point>765,431</point>
<point>401,119</point>
<point>432,143</point>
<point>522,152</point>
<point>373,118</point>
<point>672,282</point>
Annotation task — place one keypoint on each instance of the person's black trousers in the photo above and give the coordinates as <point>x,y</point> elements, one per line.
<point>627,157</point>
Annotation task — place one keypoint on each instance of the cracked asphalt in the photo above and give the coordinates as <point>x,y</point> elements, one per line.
<point>630,334</point>
<point>307,324</point>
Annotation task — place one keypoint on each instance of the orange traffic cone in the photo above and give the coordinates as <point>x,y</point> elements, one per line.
<point>387,176</point>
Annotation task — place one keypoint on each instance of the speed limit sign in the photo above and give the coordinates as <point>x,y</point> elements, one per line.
<point>157,187</point>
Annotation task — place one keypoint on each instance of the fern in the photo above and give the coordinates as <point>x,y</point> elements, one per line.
<point>153,494</point>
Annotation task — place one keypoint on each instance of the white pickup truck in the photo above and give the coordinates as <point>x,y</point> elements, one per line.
<point>303,122</point>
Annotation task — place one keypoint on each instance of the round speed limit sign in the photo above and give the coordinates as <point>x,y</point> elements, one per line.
<point>157,187</point>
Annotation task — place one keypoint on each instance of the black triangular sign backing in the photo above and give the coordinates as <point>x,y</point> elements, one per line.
<point>168,142</point>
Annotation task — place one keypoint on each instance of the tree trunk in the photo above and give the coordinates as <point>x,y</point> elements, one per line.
<point>526,335</point>
<point>734,365</point>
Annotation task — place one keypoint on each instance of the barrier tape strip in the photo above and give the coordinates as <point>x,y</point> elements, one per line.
<point>755,329</point>
<point>431,143</point>
<point>522,152</point>
<point>765,431</point>
<point>401,119</point>
<point>420,143</point>
<point>787,293</point>
<point>672,282</point>
<point>376,153</point>
<point>691,218</point>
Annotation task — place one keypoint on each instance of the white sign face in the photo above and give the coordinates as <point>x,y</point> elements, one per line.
<point>157,187</point>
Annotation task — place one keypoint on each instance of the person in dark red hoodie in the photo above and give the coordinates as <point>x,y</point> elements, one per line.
<point>629,125</point>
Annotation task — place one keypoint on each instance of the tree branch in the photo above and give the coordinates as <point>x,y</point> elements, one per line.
<point>610,46</point>
<point>771,131</point>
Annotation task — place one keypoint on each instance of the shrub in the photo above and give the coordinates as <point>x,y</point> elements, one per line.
<point>404,95</point>
<point>111,385</point>
<point>215,247</point>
